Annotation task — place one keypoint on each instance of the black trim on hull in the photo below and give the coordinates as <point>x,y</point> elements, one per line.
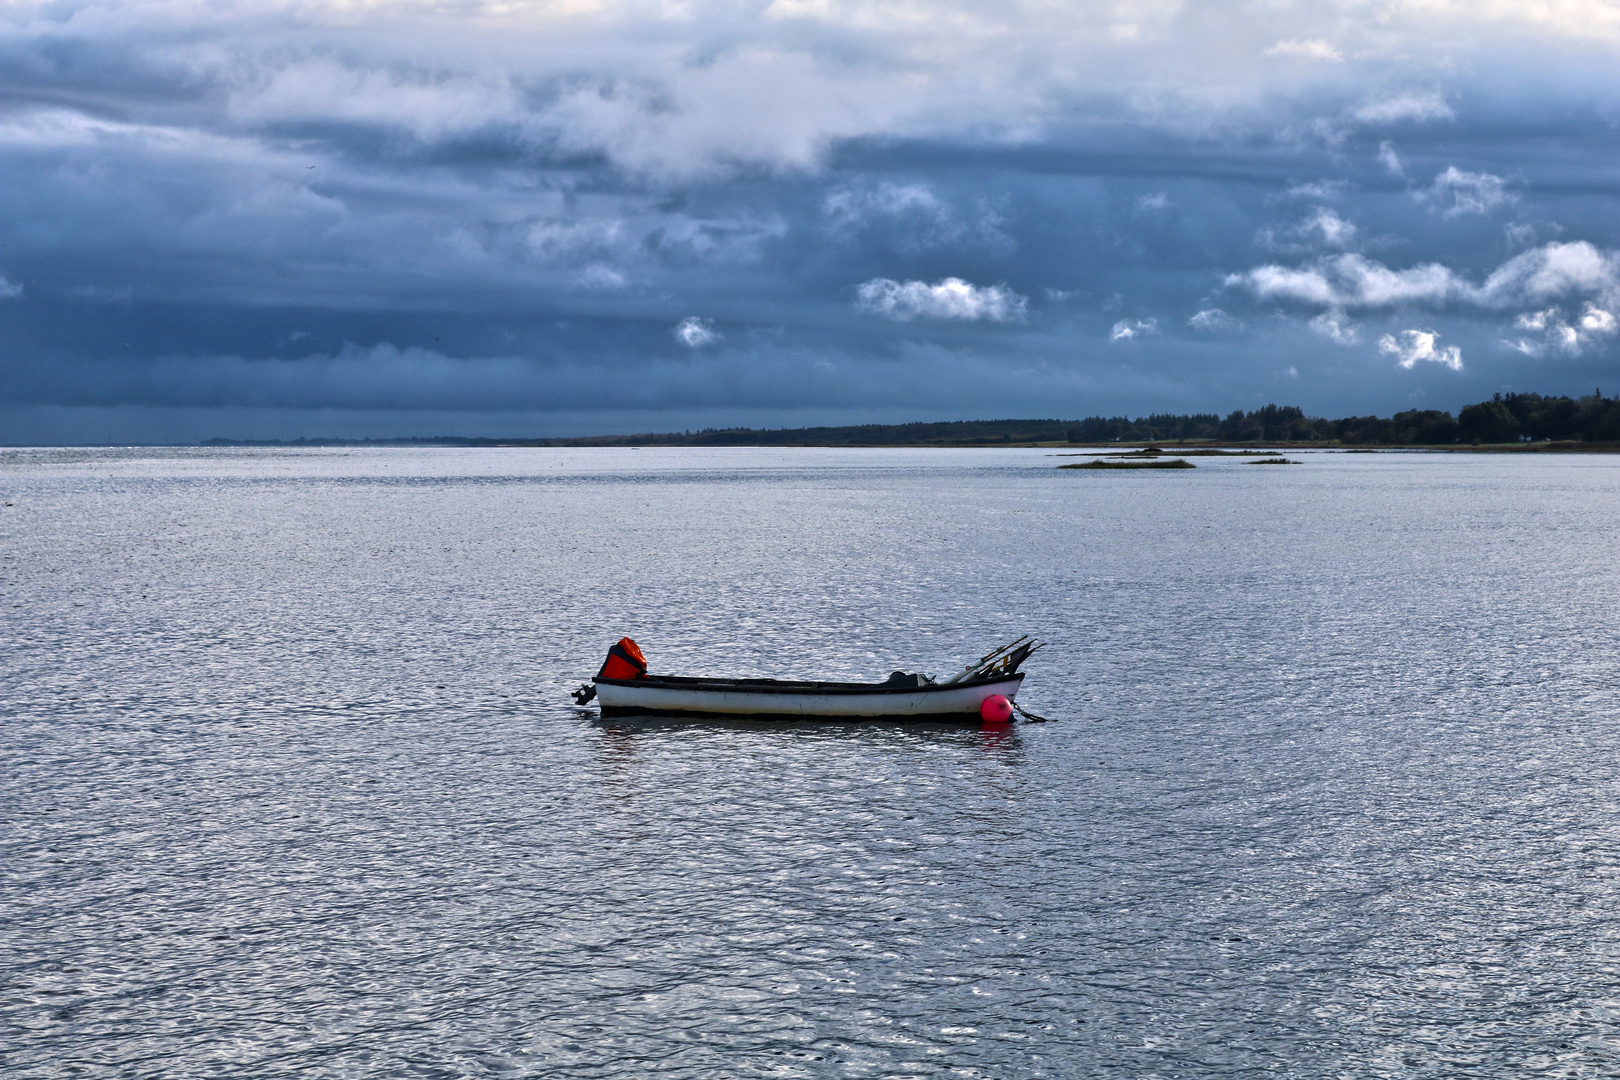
<point>628,712</point>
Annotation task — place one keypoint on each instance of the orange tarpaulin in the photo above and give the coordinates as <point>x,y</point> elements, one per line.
<point>624,661</point>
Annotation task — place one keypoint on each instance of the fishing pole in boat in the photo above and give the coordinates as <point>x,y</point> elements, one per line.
<point>1004,660</point>
<point>973,668</point>
<point>1011,662</point>
<point>968,671</point>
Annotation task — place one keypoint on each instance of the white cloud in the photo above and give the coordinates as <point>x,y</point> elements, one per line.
<point>1575,271</point>
<point>1551,331</point>
<point>1322,228</point>
<point>1212,320</point>
<point>950,298</point>
<point>1537,320</point>
<point>695,333</point>
<point>553,238</point>
<point>1555,270</point>
<point>1594,320</point>
<point>1127,329</point>
<point>1389,159</point>
<point>1554,333</point>
<point>1418,106</point>
<point>1354,282</point>
<point>849,207</point>
<point>1316,190</point>
<point>1307,49</point>
<point>1336,326</point>
<point>599,275</point>
<point>1415,346</point>
<point>1456,192</point>
<point>1158,200</point>
<point>1520,234</point>
<point>10,290</point>
<point>914,218</point>
<point>1301,286</point>
<point>697,88</point>
<point>429,105</point>
<point>756,105</point>
<point>1334,230</point>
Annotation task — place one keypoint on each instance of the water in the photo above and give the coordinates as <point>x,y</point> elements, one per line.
<point>292,787</point>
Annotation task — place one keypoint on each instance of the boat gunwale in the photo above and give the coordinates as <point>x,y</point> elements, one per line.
<point>781,686</point>
<point>632,712</point>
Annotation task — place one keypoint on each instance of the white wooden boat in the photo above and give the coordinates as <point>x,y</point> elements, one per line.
<point>625,688</point>
<point>782,699</point>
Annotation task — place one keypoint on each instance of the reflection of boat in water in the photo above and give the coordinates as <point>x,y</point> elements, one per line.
<point>625,689</point>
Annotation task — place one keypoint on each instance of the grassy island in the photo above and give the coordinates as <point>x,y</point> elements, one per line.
<point>1150,463</point>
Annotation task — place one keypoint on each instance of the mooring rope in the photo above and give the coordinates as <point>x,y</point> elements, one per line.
<point>1027,715</point>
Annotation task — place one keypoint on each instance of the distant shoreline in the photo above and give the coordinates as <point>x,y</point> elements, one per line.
<point>632,443</point>
<point>1511,422</point>
<point>1507,423</point>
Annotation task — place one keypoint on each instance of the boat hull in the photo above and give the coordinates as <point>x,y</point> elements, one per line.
<point>785,700</point>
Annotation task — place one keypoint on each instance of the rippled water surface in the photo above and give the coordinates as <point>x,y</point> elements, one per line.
<point>292,786</point>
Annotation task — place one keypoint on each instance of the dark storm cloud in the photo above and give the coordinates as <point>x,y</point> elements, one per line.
<point>791,212</point>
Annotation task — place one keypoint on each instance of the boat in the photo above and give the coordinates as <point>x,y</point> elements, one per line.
<point>625,688</point>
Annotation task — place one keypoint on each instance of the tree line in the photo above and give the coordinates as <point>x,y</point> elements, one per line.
<point>1505,418</point>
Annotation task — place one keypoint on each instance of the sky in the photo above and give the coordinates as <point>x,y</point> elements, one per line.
<point>359,218</point>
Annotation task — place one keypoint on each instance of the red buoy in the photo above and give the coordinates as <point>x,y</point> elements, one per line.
<point>995,709</point>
